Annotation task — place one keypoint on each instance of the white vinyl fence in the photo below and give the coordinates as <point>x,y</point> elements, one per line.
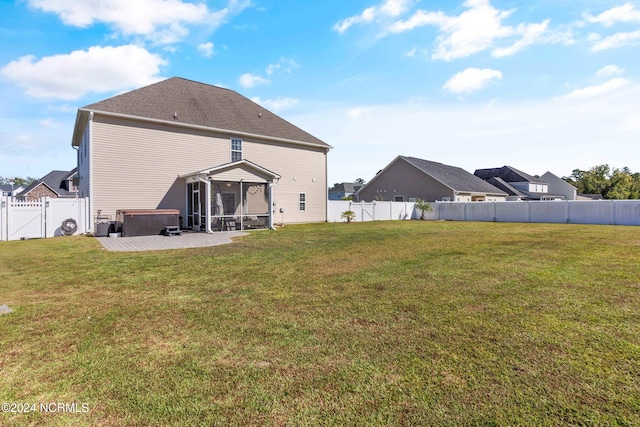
<point>614,212</point>
<point>41,219</point>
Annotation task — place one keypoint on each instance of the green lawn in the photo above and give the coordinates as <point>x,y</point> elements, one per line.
<point>385,323</point>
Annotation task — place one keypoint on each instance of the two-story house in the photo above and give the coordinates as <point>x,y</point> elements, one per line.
<point>206,151</point>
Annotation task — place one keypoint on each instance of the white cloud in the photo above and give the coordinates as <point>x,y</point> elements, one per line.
<point>358,112</point>
<point>471,80</point>
<point>368,15</point>
<point>530,34</point>
<point>98,70</point>
<point>285,64</point>
<point>566,133</point>
<point>615,41</point>
<point>598,90</point>
<point>624,13</point>
<point>609,70</point>
<point>415,52</point>
<point>476,29</point>
<point>163,21</point>
<point>49,123</point>
<point>249,80</point>
<point>276,104</point>
<point>390,9</point>
<point>206,49</point>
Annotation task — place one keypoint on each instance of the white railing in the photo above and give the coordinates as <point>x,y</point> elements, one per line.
<point>614,212</point>
<point>43,218</point>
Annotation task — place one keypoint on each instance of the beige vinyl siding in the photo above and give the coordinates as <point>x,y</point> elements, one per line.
<point>135,165</point>
<point>301,170</point>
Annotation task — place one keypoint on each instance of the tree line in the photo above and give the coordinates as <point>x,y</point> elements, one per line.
<point>17,181</point>
<point>609,183</point>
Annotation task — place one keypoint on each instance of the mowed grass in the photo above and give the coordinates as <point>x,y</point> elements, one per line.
<point>385,323</point>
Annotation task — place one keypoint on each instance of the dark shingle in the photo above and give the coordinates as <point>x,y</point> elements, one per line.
<point>55,180</point>
<point>456,178</point>
<point>507,173</point>
<point>205,105</point>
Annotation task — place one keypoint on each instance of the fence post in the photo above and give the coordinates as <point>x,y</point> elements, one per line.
<point>44,202</point>
<point>613,212</point>
<point>4,225</point>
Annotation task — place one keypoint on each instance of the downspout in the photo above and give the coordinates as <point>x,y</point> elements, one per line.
<point>90,166</point>
<point>82,227</point>
<point>326,188</point>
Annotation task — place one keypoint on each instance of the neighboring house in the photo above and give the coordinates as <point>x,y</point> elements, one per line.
<point>344,189</point>
<point>589,197</point>
<point>55,184</point>
<point>559,186</point>
<point>204,150</point>
<point>517,184</point>
<point>409,178</point>
<point>8,190</point>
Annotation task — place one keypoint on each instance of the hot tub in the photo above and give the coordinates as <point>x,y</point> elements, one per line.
<point>145,222</point>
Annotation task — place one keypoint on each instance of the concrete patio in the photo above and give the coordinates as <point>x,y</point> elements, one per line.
<point>158,243</point>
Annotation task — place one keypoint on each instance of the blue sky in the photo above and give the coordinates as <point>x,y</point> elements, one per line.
<point>538,85</point>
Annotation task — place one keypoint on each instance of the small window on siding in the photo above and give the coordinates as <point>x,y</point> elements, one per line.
<point>236,149</point>
<point>398,199</point>
<point>302,202</point>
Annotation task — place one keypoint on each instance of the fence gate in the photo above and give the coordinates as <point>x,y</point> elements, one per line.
<point>365,211</point>
<point>40,219</point>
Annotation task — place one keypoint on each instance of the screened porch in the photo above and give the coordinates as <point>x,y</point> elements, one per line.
<point>236,196</point>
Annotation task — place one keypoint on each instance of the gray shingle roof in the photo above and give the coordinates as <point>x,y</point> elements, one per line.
<point>454,177</point>
<point>56,181</point>
<point>505,186</point>
<point>205,105</point>
<point>348,187</point>
<point>507,173</point>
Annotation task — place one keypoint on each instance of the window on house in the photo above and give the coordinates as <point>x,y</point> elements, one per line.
<point>302,202</point>
<point>398,199</point>
<point>236,149</point>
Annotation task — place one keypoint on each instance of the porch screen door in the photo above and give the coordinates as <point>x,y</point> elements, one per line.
<point>195,198</point>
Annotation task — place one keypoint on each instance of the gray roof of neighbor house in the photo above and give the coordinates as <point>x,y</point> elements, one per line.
<point>182,101</point>
<point>507,173</point>
<point>456,178</point>
<point>56,181</point>
<point>505,186</point>
<point>347,187</point>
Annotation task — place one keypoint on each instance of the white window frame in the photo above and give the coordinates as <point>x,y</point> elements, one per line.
<point>302,202</point>
<point>235,150</point>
